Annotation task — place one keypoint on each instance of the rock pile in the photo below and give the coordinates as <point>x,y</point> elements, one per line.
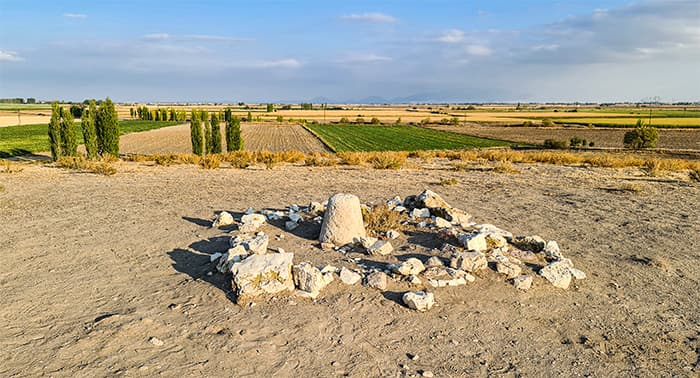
<point>468,249</point>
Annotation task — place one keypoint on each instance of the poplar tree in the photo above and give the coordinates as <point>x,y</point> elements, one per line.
<point>55,131</point>
<point>69,135</point>
<point>215,134</point>
<point>89,132</point>
<point>196,133</point>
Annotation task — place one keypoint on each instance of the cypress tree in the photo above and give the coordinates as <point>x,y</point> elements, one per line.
<point>55,131</point>
<point>196,133</point>
<point>250,117</point>
<point>207,132</point>
<point>234,142</point>
<point>107,125</point>
<point>131,112</point>
<point>69,135</point>
<point>89,132</point>
<point>215,134</point>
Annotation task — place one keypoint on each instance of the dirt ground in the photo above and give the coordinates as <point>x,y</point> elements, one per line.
<point>684,139</point>
<point>176,139</point>
<point>95,267</point>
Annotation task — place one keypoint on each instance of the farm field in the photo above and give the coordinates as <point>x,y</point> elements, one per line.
<point>665,122</point>
<point>396,138</point>
<point>21,140</point>
<point>602,137</point>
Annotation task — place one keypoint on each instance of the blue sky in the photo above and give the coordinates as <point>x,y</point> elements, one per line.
<point>400,50</point>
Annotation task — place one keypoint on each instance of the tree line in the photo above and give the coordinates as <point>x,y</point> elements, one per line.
<point>99,125</point>
<point>146,114</point>
<point>205,132</point>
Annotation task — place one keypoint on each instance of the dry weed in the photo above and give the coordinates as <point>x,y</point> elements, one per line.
<point>387,160</point>
<point>239,159</point>
<point>8,167</point>
<point>320,160</point>
<point>79,163</point>
<point>448,182</point>
<point>352,158</point>
<point>381,218</point>
<point>505,167</point>
<point>210,161</point>
<point>270,159</point>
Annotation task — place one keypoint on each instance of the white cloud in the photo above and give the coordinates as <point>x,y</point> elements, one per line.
<point>282,63</point>
<point>452,36</point>
<point>479,50</point>
<point>363,58</point>
<point>9,56</point>
<point>157,36</point>
<point>370,17</point>
<point>75,16</point>
<point>212,38</point>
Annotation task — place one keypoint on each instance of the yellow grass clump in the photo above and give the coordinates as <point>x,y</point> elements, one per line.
<point>212,161</point>
<point>380,219</point>
<point>79,163</point>
<point>8,167</point>
<point>387,160</point>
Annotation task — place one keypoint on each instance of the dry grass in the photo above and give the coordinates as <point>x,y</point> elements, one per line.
<point>320,160</point>
<point>239,159</point>
<point>694,175</point>
<point>8,167</point>
<point>448,182</point>
<point>79,163</point>
<point>505,167</point>
<point>387,160</point>
<point>210,161</point>
<point>381,218</point>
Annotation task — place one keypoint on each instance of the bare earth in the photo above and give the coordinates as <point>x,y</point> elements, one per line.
<point>95,266</point>
<point>684,139</point>
<point>176,139</point>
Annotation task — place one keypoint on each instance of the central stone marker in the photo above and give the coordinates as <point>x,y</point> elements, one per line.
<point>342,221</point>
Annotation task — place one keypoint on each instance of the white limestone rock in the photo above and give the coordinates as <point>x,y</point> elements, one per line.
<point>473,241</point>
<point>309,279</point>
<point>342,221</point>
<point>412,266</point>
<point>419,300</point>
<point>442,223</point>
<point>380,247</point>
<point>558,273</point>
<point>419,213</point>
<point>377,280</point>
<point>223,219</point>
<point>523,282</point>
<point>263,274</point>
<point>252,222</point>
<point>349,277</point>
<point>469,261</point>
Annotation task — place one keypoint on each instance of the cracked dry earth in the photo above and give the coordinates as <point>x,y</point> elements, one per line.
<point>106,276</point>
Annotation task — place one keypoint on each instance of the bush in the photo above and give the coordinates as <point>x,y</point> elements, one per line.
<point>547,122</point>
<point>359,120</point>
<point>375,121</point>
<point>388,160</point>
<point>528,123</point>
<point>556,144</point>
<point>344,121</point>
<point>643,136</point>
<point>577,142</point>
<point>239,159</point>
<point>210,161</point>
<point>380,219</point>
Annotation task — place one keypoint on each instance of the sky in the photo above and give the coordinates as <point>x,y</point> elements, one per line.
<point>351,51</point>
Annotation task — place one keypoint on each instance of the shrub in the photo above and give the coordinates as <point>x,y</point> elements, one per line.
<point>210,161</point>
<point>505,167</point>
<point>351,158</point>
<point>375,121</point>
<point>556,144</point>
<point>528,123</point>
<point>388,160</point>
<point>448,182</point>
<point>89,132</point>
<point>268,158</point>
<point>320,160</point>
<point>547,122</point>
<point>381,219</point>
<point>577,142</point>
<point>359,120</point>
<point>239,159</point>
<point>55,132</point>
<point>344,121</point>
<point>79,163</point>
<point>643,136</point>
<point>10,168</point>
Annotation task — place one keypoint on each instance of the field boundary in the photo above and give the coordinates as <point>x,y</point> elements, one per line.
<point>328,145</point>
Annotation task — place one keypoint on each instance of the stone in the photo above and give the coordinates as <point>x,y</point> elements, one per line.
<point>494,240</point>
<point>409,267</point>
<point>420,213</point>
<point>309,279</point>
<point>342,221</point>
<point>473,242</point>
<point>349,277</point>
<point>232,256</point>
<point>215,256</point>
<point>327,246</point>
<point>366,241</point>
<point>290,225</point>
<point>510,269</point>
<point>263,274</point>
<point>431,200</point>
<point>156,341</point>
<point>552,251</point>
<point>400,209</point>
<point>529,243</point>
<point>392,234</point>
<point>558,273</point>
<point>427,374</point>
<point>223,219</point>
<point>450,249</point>
<point>414,280</point>
<point>577,274</point>
<point>380,247</point>
<point>294,217</point>
<point>377,280</point>
<point>396,201</point>
<point>256,244</point>
<point>442,223</point>
<point>316,207</point>
<point>434,262</point>
<point>458,217</point>
<point>252,222</point>
<point>419,300</point>
<point>523,282</point>
<point>487,228</point>
<point>469,261</point>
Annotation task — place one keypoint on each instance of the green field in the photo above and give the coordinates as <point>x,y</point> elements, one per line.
<point>396,138</point>
<point>15,107</point>
<point>28,139</point>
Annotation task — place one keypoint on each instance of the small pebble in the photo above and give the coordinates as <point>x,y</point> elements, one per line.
<point>428,374</point>
<point>156,341</point>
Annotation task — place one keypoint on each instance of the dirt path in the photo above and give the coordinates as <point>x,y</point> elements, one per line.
<point>176,139</point>
<point>94,267</point>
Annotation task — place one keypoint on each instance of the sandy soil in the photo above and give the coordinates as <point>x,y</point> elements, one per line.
<point>176,139</point>
<point>668,138</point>
<point>94,267</point>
